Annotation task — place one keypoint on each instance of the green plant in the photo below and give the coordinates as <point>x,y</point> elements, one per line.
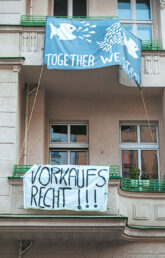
<point>154,176</point>
<point>145,176</point>
<point>134,173</point>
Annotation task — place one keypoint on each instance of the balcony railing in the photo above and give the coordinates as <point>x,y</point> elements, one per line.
<point>20,170</point>
<point>152,45</point>
<point>142,185</point>
<point>34,20</point>
<point>127,184</point>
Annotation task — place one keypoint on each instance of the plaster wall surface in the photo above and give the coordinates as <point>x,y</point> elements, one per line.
<point>9,92</point>
<point>9,44</point>
<point>102,8</point>
<point>10,11</point>
<point>116,249</point>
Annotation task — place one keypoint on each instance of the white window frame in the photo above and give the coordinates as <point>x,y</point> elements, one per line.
<point>68,146</point>
<point>70,7</point>
<point>134,22</point>
<point>138,146</point>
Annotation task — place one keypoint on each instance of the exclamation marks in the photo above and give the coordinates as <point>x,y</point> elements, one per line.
<point>79,200</point>
<point>95,198</point>
<point>87,205</point>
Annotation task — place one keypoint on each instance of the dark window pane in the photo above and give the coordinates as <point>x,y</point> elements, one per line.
<point>59,157</point>
<point>149,162</point>
<point>145,133</point>
<point>143,10</point>
<point>78,133</point>
<point>128,133</point>
<point>124,9</point>
<point>144,32</point>
<point>79,8</point>
<point>59,133</point>
<point>60,7</point>
<point>78,158</point>
<point>129,160</point>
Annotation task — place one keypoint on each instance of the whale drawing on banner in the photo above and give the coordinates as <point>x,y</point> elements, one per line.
<point>132,47</point>
<point>64,32</point>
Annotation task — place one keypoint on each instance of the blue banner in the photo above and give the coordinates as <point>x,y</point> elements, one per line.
<point>89,44</point>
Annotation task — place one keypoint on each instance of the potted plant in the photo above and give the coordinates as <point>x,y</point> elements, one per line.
<point>134,174</point>
<point>155,182</point>
<point>145,180</point>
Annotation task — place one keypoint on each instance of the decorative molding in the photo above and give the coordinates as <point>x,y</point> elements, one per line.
<point>159,212</point>
<point>140,212</point>
<point>32,41</point>
<point>16,68</point>
<point>151,64</point>
<point>162,4</point>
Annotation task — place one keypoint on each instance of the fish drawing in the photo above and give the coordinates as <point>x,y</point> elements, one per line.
<point>64,32</point>
<point>132,47</point>
<point>113,36</point>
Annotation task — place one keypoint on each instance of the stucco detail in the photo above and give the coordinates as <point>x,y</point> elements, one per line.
<point>162,4</point>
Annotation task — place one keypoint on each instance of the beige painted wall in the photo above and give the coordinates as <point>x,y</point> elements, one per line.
<point>36,137</point>
<point>102,7</point>
<point>115,249</point>
<point>103,116</point>
<point>11,11</point>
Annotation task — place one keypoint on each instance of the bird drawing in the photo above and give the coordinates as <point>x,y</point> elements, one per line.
<point>64,32</point>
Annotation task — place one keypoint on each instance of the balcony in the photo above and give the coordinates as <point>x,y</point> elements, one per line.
<point>140,201</point>
<point>126,184</point>
<point>34,20</point>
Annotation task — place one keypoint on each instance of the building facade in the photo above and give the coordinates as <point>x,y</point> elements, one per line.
<point>85,117</point>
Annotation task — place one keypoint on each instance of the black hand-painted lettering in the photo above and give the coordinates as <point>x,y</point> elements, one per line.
<point>95,198</point>
<point>82,178</point>
<point>34,175</point>
<point>56,196</point>
<point>45,195</point>
<point>63,175</point>
<point>63,193</point>
<point>79,200</point>
<point>43,176</point>
<point>40,197</point>
<point>87,205</point>
<point>101,176</point>
<point>88,175</point>
<point>73,176</point>
<point>34,191</point>
<point>54,171</point>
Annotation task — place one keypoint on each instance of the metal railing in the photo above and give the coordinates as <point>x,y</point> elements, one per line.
<point>142,185</point>
<point>20,170</point>
<point>152,45</point>
<point>35,20</point>
<point>127,184</point>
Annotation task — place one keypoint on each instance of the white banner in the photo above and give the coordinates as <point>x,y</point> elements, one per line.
<point>66,187</point>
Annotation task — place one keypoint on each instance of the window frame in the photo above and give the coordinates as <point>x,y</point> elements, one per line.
<point>70,8</point>
<point>68,146</point>
<point>140,146</point>
<point>134,22</point>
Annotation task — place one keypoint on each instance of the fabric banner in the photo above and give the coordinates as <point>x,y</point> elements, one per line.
<point>66,187</point>
<point>90,44</point>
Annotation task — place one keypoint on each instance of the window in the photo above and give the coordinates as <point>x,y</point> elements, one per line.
<point>70,7</point>
<point>68,144</point>
<point>139,149</point>
<point>136,17</point>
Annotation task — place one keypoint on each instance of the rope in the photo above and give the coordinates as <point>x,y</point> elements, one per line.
<point>31,114</point>
<point>148,120</point>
